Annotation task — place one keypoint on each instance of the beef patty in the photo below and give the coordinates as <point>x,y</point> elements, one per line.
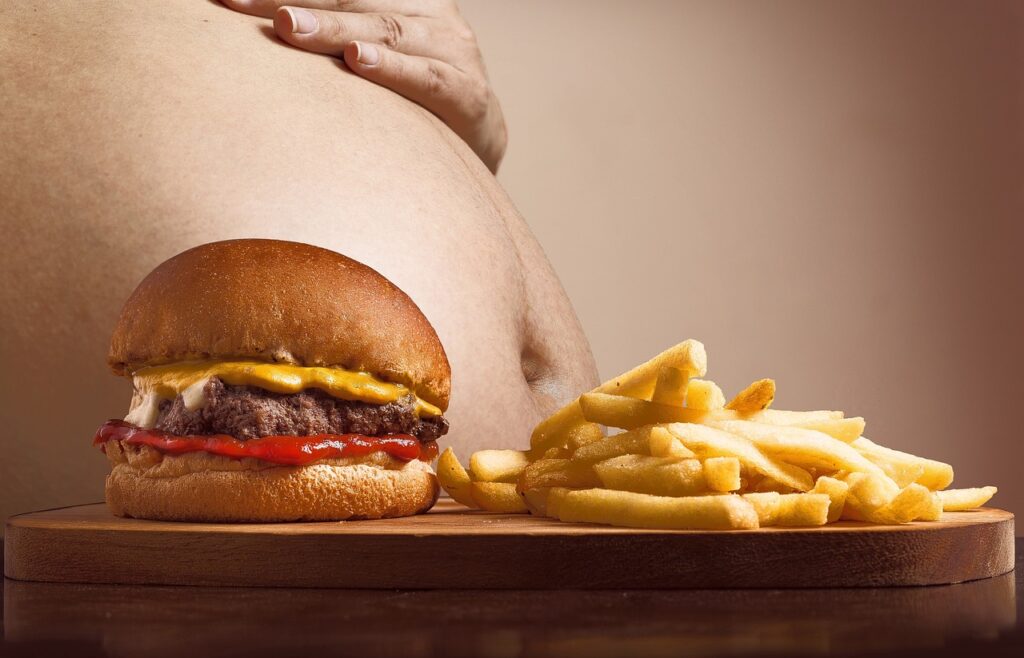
<point>247,412</point>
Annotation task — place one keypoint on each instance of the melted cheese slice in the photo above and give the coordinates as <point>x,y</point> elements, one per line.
<point>188,379</point>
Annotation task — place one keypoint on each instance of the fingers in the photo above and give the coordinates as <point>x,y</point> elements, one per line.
<point>441,88</point>
<point>329,32</point>
<point>267,8</point>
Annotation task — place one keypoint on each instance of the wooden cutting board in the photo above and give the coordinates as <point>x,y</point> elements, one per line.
<point>451,547</point>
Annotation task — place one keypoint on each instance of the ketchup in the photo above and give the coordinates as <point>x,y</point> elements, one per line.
<point>290,450</point>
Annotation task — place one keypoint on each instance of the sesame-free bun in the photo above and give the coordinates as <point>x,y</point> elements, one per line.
<point>319,492</point>
<point>283,302</point>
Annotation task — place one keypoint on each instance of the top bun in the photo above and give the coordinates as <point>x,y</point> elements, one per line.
<point>284,302</point>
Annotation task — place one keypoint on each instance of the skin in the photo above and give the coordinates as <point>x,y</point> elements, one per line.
<point>131,135</point>
<point>421,49</point>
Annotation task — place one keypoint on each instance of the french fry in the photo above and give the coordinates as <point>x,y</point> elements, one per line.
<point>582,435</point>
<point>661,443</point>
<point>936,475</point>
<point>536,501</point>
<point>766,504</point>
<point>755,397</point>
<point>554,431</point>
<point>704,394</point>
<point>870,490</point>
<point>771,485</point>
<point>630,413</point>
<point>959,500</point>
<point>903,473</point>
<point>846,430</point>
<point>932,510</point>
<point>635,442</point>
<point>912,502</point>
<point>500,497</point>
<point>722,473</point>
<point>670,388</point>
<point>497,465</point>
<point>636,510</point>
<point>836,490</point>
<point>809,509</point>
<point>658,476</point>
<point>454,479</point>
<point>546,473</point>
<point>638,382</point>
<point>784,417</point>
<point>556,496</point>
<point>689,460</point>
<point>710,442</point>
<point>806,448</point>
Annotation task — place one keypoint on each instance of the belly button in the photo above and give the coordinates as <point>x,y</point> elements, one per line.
<point>541,379</point>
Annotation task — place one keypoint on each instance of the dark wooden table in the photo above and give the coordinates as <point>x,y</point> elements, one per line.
<point>977,618</point>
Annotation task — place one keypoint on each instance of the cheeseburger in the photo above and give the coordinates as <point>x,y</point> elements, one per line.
<point>274,381</point>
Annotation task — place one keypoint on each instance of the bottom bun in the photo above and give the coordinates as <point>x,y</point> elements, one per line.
<point>319,492</point>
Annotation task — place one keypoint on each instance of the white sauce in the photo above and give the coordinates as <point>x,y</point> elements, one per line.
<point>144,410</point>
<point>146,404</point>
<point>193,396</point>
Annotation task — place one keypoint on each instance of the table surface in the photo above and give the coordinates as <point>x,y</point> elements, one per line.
<point>981,617</point>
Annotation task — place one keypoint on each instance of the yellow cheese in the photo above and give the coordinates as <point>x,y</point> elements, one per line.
<point>170,381</point>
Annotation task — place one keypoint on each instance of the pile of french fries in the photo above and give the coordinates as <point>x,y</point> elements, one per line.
<point>689,460</point>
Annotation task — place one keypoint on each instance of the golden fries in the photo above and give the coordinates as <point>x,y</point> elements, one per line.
<point>546,473</point>
<point>722,474</point>
<point>958,500</point>
<point>704,395</point>
<point>688,460</point>
<point>454,478</point>
<point>846,430</point>
<point>836,490</point>
<point>555,430</point>
<point>498,497</point>
<point>498,465</point>
<point>809,509</point>
<point>710,442</point>
<point>636,510</point>
<point>536,501</point>
<point>766,504</point>
<point>805,448</point>
<point>934,475</point>
<point>755,397</point>
<point>661,443</point>
<point>638,382</point>
<point>670,388</point>
<point>660,476</point>
<point>583,434</point>
<point>630,413</point>
<point>636,442</point>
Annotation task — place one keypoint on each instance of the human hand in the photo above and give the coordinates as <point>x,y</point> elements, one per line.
<point>421,49</point>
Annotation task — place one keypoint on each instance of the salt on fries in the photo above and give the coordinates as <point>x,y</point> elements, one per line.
<point>689,460</point>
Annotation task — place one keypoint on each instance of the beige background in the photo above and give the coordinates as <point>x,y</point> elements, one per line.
<point>828,194</point>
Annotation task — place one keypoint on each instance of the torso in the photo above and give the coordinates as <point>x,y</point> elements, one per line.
<point>132,133</point>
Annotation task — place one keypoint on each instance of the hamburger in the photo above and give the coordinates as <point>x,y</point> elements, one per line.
<point>274,381</point>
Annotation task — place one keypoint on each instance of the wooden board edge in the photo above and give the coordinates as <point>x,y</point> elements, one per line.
<point>544,561</point>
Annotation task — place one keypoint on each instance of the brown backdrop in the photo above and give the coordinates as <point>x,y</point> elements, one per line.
<point>830,194</point>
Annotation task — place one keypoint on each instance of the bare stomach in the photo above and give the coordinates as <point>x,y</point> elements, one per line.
<point>130,136</point>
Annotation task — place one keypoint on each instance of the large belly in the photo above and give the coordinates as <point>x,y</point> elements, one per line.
<point>129,137</point>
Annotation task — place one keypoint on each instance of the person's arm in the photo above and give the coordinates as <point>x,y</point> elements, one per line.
<point>421,49</point>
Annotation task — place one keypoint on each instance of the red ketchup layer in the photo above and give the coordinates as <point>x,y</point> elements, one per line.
<point>290,450</point>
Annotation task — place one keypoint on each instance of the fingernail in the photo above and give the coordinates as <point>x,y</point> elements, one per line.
<point>367,54</point>
<point>303,22</point>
